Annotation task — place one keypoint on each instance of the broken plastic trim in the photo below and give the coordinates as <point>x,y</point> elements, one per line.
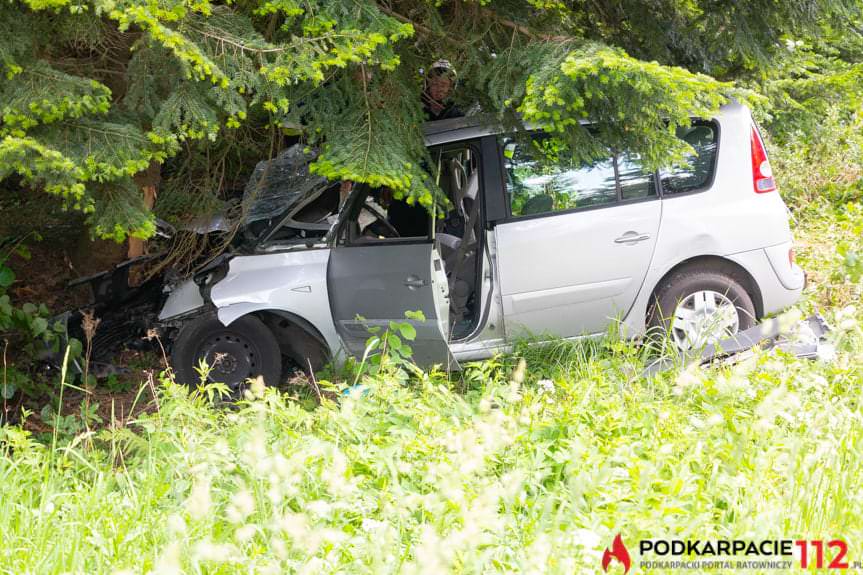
<point>809,343</point>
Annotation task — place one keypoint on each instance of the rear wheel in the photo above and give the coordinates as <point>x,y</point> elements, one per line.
<point>235,353</point>
<point>697,307</point>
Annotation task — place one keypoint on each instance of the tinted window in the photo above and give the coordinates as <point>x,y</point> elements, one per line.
<point>635,183</point>
<point>538,185</point>
<point>699,171</point>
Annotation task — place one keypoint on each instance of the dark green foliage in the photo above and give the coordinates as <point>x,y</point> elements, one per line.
<point>94,92</point>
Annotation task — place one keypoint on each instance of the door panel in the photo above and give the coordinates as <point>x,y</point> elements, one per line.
<point>380,283</point>
<point>571,274</point>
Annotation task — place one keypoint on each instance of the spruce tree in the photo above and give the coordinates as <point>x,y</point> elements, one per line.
<point>99,98</point>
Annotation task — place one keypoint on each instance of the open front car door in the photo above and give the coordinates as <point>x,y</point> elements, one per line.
<point>382,267</point>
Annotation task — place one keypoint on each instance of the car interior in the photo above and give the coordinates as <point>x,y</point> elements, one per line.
<point>312,218</point>
<point>381,218</point>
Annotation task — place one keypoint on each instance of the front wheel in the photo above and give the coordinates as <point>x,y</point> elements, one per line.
<point>235,353</point>
<point>700,307</point>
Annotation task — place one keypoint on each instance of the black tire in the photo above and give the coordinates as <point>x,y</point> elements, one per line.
<point>249,346</point>
<point>679,285</point>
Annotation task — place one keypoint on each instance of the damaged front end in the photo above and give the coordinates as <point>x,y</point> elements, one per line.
<point>124,312</point>
<point>284,207</point>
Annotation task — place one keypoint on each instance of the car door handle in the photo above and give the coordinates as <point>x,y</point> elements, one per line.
<point>414,282</point>
<point>631,238</point>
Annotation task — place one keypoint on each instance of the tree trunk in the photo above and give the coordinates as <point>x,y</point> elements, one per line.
<point>148,180</point>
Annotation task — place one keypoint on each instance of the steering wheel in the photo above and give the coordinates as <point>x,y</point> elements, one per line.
<point>382,219</point>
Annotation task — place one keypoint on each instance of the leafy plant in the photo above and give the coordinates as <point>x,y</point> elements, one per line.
<point>386,351</point>
<point>28,326</point>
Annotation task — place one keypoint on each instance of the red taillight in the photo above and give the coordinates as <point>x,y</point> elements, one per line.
<point>792,257</point>
<point>762,174</point>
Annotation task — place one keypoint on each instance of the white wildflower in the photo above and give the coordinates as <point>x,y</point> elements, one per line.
<point>732,383</point>
<point>241,506</point>
<point>258,387</point>
<point>176,525</point>
<point>314,566</point>
<point>199,500</point>
<point>586,538</point>
<point>320,508</point>
<point>537,555</point>
<point>295,525</point>
<point>432,556</point>
<point>245,533</point>
<point>168,562</point>
<point>334,475</point>
<point>689,377</point>
<point>278,547</point>
<point>281,466</point>
<point>779,403</point>
<point>255,452</point>
<point>272,568</point>
<point>545,386</point>
<point>789,320</point>
<point>206,550</point>
<point>826,352</point>
<point>370,525</point>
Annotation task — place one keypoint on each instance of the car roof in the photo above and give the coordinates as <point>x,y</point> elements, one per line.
<point>457,129</point>
<point>470,127</point>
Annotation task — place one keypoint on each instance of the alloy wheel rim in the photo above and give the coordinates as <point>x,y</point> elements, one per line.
<point>703,317</point>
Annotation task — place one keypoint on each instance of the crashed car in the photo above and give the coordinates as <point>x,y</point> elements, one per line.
<point>530,246</point>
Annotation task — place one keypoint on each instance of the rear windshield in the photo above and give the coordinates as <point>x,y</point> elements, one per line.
<point>697,173</point>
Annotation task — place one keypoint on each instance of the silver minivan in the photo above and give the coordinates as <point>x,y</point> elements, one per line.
<point>529,245</point>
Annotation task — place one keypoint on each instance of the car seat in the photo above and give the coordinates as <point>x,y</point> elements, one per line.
<point>459,253</point>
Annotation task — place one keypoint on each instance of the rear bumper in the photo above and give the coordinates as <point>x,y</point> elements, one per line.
<point>790,275</point>
<point>775,296</point>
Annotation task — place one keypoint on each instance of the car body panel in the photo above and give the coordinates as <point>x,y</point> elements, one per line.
<point>775,296</point>
<point>292,281</point>
<point>551,283</point>
<point>373,285</point>
<point>790,275</point>
<point>727,220</point>
<point>184,298</point>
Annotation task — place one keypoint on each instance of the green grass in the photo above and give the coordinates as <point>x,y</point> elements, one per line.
<point>511,469</point>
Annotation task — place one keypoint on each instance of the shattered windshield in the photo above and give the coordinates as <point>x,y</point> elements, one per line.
<point>277,185</point>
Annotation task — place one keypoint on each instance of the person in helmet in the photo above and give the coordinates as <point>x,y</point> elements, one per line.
<point>440,82</point>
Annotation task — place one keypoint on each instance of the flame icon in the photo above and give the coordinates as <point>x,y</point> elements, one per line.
<point>619,552</point>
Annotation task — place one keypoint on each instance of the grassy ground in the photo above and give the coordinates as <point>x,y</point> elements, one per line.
<point>514,468</point>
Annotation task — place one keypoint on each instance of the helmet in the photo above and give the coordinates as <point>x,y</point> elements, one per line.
<point>443,67</point>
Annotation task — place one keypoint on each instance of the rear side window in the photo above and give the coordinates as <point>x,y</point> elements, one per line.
<point>537,184</point>
<point>698,173</point>
<point>635,183</point>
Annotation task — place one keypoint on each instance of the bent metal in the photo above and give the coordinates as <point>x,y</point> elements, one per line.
<point>767,547</point>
